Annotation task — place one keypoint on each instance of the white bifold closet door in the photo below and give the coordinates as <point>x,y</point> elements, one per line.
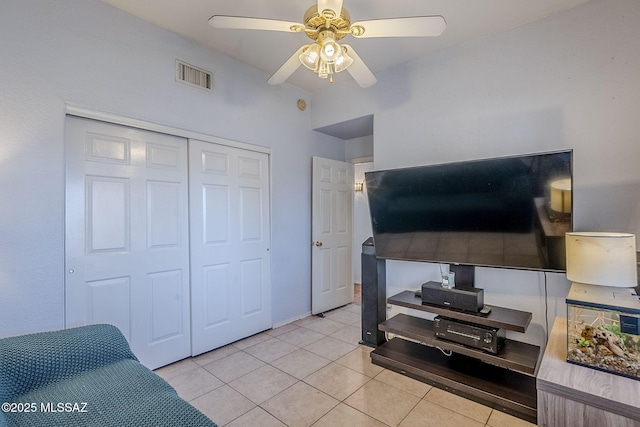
<point>127,236</point>
<point>230,244</point>
<point>177,276</point>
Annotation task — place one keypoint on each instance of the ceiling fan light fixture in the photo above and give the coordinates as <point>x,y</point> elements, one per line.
<point>342,62</point>
<point>311,56</point>
<point>330,50</point>
<point>324,70</point>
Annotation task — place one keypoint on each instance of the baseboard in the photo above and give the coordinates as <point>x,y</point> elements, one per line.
<point>293,319</point>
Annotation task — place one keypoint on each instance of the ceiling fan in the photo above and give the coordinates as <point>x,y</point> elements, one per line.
<point>325,24</point>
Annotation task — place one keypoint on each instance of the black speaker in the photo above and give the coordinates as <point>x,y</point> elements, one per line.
<point>465,275</point>
<point>471,299</point>
<point>374,295</point>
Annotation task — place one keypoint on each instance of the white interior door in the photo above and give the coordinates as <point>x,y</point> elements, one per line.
<point>230,244</point>
<point>332,200</point>
<point>126,236</point>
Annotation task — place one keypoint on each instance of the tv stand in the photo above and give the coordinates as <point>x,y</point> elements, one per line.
<point>503,381</point>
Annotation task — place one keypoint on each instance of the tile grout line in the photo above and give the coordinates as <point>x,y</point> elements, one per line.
<point>321,335</point>
<point>243,350</point>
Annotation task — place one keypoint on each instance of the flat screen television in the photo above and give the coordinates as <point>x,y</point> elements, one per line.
<point>501,212</point>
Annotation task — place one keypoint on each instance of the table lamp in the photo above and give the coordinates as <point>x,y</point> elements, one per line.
<point>602,258</point>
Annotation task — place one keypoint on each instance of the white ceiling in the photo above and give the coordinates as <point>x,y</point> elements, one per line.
<point>267,50</point>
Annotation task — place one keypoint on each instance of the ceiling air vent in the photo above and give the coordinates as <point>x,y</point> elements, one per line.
<point>193,76</point>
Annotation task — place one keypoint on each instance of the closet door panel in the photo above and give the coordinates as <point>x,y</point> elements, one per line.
<point>230,243</point>
<point>126,236</point>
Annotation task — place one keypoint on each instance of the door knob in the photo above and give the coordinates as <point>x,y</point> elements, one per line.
<point>318,244</point>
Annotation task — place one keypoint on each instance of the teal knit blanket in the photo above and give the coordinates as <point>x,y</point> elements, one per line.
<point>85,376</point>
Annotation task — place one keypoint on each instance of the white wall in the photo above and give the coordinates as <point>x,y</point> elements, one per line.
<point>87,53</point>
<point>358,148</point>
<point>567,81</point>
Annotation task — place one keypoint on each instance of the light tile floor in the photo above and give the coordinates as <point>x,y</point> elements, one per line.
<point>313,372</point>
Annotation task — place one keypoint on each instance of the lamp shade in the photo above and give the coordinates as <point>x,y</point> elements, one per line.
<point>310,56</point>
<point>330,50</point>
<point>561,195</point>
<point>601,258</point>
<point>343,62</point>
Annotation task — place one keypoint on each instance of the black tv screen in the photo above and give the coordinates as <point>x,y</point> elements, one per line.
<point>503,212</point>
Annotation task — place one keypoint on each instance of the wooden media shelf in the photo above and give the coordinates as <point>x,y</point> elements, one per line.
<point>503,381</point>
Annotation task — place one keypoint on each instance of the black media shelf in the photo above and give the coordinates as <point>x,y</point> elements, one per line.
<point>508,391</point>
<point>514,355</point>
<point>503,381</point>
<point>499,317</point>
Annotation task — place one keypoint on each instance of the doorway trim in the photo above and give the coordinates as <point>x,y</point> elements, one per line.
<point>103,116</point>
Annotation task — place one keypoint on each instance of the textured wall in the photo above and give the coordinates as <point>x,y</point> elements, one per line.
<point>567,81</point>
<point>90,54</point>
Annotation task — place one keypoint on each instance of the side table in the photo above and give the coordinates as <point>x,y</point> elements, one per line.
<point>577,396</point>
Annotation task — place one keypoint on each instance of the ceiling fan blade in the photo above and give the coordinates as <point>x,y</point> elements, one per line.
<point>335,5</point>
<point>359,70</point>
<point>243,23</point>
<point>287,68</point>
<point>417,26</point>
